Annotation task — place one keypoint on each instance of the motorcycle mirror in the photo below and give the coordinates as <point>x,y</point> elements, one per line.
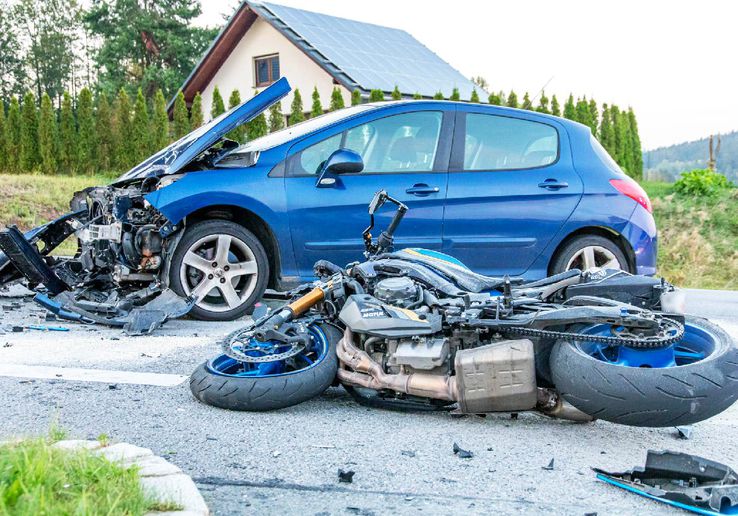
<point>377,201</point>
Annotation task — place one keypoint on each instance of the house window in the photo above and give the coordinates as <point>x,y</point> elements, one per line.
<point>267,70</point>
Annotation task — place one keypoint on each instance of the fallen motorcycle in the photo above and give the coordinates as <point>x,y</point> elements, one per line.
<point>416,329</point>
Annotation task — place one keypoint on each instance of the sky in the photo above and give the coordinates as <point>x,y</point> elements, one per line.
<point>674,62</point>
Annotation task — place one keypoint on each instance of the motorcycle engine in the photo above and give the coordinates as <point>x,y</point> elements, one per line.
<point>400,291</point>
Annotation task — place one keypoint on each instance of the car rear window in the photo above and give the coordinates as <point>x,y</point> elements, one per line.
<point>503,143</point>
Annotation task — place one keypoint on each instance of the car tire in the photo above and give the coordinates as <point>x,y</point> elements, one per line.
<point>256,394</point>
<point>199,251</point>
<point>651,397</point>
<point>587,251</point>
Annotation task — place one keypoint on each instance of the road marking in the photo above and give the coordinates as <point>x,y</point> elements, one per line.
<point>91,375</point>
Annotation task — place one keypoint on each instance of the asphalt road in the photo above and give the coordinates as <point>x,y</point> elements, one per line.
<point>287,461</point>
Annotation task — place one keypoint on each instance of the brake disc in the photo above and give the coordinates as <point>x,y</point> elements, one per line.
<point>238,344</point>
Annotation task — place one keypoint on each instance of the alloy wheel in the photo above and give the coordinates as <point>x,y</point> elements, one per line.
<point>220,271</point>
<point>594,256</point>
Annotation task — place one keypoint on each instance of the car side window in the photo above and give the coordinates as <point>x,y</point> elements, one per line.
<point>502,143</point>
<point>399,143</point>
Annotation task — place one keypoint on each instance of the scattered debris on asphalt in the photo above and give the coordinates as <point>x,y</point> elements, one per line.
<point>684,432</point>
<point>346,476</point>
<point>113,386</point>
<point>550,466</point>
<point>276,453</point>
<point>407,453</point>
<point>681,480</point>
<point>462,453</point>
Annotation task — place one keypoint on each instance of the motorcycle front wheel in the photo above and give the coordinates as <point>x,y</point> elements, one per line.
<point>259,386</point>
<point>681,384</point>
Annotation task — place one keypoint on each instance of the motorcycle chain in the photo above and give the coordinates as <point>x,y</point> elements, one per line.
<point>643,342</point>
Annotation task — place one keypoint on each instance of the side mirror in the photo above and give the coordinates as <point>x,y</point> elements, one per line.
<point>342,161</point>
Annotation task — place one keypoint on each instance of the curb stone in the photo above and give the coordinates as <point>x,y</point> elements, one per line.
<point>162,479</point>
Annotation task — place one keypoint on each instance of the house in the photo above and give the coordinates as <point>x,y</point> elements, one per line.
<point>263,41</point>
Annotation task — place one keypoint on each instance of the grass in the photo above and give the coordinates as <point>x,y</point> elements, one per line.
<point>36,478</point>
<point>698,236</point>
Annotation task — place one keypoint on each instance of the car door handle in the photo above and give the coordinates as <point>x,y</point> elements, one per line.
<point>553,184</point>
<point>422,189</point>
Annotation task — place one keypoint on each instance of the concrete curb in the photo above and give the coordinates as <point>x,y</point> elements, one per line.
<point>160,478</point>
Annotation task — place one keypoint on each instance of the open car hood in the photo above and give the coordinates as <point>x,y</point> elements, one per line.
<point>179,154</point>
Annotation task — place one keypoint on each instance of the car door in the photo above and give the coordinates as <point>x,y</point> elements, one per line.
<point>511,186</point>
<point>405,152</point>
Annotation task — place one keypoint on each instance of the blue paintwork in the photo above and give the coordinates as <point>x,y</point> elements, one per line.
<point>495,222</point>
<point>696,345</point>
<point>223,365</point>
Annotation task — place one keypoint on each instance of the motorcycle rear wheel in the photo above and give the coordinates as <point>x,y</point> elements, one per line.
<point>694,380</point>
<point>227,383</point>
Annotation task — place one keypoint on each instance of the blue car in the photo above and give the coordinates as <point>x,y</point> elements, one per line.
<point>503,190</point>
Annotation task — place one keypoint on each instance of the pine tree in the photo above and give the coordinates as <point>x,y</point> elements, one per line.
<point>218,107</point>
<point>543,104</point>
<point>527,104</point>
<point>13,136</point>
<point>336,100</point>
<point>570,110</point>
<point>474,96</point>
<point>160,122</point>
<point>257,127</point>
<point>555,108</point>
<point>196,116</point>
<point>512,100</point>
<point>276,118</point>
<point>494,99</point>
<point>317,107</point>
<point>625,154</point>
<point>503,98</point>
<point>396,95</point>
<point>47,136</point>
<point>297,111</point>
<point>455,95</point>
<point>438,96</point>
<point>180,122</point>
<point>605,133</point>
<point>617,144</point>
<point>594,116</point>
<point>86,137</point>
<point>125,145</point>
<point>141,128</point>
<point>417,96</point>
<point>636,151</point>
<point>3,138</point>
<point>68,144</point>
<point>582,112</point>
<point>376,96</point>
<point>29,134</point>
<point>104,151</point>
<point>355,97</point>
<point>239,133</point>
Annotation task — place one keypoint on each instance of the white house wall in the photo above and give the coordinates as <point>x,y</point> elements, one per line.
<point>237,72</point>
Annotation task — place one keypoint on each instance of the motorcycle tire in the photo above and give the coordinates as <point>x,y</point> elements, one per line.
<point>651,396</point>
<point>262,393</point>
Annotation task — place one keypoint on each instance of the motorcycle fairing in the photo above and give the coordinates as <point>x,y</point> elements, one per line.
<point>689,482</point>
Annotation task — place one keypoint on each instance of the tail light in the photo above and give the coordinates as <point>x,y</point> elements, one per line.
<point>633,190</point>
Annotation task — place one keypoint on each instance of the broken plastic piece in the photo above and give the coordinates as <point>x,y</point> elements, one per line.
<point>346,476</point>
<point>550,466</point>
<point>462,453</point>
<point>684,432</point>
<point>681,480</point>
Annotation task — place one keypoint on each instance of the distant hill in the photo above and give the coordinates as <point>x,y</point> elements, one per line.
<point>666,163</point>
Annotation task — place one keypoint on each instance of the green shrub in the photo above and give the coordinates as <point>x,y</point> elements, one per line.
<point>701,181</point>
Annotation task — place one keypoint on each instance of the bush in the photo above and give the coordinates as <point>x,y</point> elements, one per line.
<point>701,181</point>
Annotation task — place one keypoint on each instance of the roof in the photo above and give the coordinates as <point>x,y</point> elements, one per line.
<point>358,55</point>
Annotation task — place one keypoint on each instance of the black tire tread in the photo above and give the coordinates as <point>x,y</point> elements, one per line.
<point>267,393</point>
<point>559,261</point>
<point>649,397</point>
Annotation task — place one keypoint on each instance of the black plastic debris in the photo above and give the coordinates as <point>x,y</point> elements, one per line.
<point>550,466</point>
<point>462,453</point>
<point>18,329</point>
<point>681,480</point>
<point>408,453</point>
<point>346,476</point>
<point>684,432</point>
<point>113,386</point>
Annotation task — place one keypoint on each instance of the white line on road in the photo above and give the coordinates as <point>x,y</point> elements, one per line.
<point>90,375</point>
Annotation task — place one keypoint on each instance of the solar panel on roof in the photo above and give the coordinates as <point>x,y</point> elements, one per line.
<point>374,56</point>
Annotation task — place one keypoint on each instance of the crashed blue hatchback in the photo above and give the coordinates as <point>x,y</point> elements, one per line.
<point>206,225</point>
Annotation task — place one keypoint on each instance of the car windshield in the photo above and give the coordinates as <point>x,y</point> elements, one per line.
<point>295,131</point>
